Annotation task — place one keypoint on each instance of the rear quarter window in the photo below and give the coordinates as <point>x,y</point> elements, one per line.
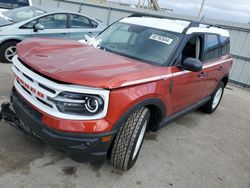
<point>225,45</point>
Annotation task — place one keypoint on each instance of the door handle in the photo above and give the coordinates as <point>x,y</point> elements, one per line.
<point>201,74</point>
<point>220,68</point>
<point>63,34</point>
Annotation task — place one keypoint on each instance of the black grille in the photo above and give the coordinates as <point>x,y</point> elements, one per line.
<point>28,77</point>
<point>41,101</point>
<point>47,88</point>
<point>19,99</point>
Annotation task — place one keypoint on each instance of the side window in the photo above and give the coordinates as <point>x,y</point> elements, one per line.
<point>211,51</point>
<point>78,21</point>
<point>54,21</point>
<point>29,25</point>
<point>22,3</point>
<point>225,45</point>
<point>5,4</point>
<point>93,24</point>
<point>14,4</point>
<point>193,48</point>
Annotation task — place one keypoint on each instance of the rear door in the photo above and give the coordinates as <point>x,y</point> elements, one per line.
<point>55,26</point>
<point>81,26</point>
<point>211,63</point>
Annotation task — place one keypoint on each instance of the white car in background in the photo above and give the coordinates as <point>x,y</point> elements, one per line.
<point>10,4</point>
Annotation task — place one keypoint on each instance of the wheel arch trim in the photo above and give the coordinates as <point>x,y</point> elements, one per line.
<point>144,103</point>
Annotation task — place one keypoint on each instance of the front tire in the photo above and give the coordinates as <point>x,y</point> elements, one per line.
<point>129,139</point>
<point>214,102</point>
<point>7,51</point>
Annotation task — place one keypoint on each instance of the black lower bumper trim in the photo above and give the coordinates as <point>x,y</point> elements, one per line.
<point>79,147</point>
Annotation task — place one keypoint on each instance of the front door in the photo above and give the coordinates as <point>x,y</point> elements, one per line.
<point>187,86</point>
<point>55,26</point>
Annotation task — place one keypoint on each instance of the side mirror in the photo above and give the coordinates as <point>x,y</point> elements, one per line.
<point>38,27</point>
<point>192,64</point>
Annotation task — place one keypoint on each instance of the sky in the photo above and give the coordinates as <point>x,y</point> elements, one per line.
<point>232,10</point>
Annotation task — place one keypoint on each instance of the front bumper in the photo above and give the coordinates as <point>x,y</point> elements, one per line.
<point>79,147</point>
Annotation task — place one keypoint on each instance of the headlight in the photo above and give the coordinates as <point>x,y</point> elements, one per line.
<point>78,104</point>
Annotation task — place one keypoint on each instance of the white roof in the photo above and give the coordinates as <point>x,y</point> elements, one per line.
<point>214,30</point>
<point>177,26</point>
<point>158,23</point>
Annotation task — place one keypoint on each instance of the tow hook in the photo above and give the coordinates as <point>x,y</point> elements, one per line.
<point>7,114</point>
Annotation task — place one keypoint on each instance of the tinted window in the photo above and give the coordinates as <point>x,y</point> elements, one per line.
<point>79,22</point>
<point>54,21</point>
<point>211,47</point>
<point>14,4</point>
<point>225,45</point>
<point>22,3</point>
<point>5,4</point>
<point>9,4</point>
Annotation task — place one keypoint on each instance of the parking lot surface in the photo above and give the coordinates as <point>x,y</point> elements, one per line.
<point>196,151</point>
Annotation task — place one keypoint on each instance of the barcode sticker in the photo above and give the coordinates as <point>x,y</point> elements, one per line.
<point>161,38</point>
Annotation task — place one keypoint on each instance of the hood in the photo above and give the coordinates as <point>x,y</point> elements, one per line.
<point>74,63</point>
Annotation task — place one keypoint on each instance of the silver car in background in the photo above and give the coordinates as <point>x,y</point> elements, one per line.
<point>26,22</point>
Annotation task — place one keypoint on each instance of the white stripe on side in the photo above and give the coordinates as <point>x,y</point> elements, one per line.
<point>155,78</point>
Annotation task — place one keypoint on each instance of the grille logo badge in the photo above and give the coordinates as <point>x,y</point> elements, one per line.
<point>30,88</point>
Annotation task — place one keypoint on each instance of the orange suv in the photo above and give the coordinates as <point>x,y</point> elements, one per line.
<point>98,99</point>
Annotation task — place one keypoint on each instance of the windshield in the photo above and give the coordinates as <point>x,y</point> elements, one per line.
<point>139,42</point>
<point>4,22</point>
<point>23,13</point>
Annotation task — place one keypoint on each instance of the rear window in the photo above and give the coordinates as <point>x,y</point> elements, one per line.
<point>78,21</point>
<point>211,47</point>
<point>225,45</point>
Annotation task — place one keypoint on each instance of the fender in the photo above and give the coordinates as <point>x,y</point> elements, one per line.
<point>151,101</point>
<point>9,38</point>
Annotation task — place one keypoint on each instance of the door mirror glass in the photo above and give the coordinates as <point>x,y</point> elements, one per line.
<point>192,64</point>
<point>38,27</point>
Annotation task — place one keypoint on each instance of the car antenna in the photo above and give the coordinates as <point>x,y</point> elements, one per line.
<point>202,18</point>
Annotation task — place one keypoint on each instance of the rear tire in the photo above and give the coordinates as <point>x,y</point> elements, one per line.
<point>129,139</point>
<point>214,102</point>
<point>7,51</point>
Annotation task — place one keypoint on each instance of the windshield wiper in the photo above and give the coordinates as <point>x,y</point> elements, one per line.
<point>6,18</point>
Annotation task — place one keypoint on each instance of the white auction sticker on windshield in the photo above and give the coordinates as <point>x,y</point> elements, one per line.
<point>161,38</point>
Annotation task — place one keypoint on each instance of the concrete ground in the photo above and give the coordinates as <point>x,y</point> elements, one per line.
<point>196,151</point>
